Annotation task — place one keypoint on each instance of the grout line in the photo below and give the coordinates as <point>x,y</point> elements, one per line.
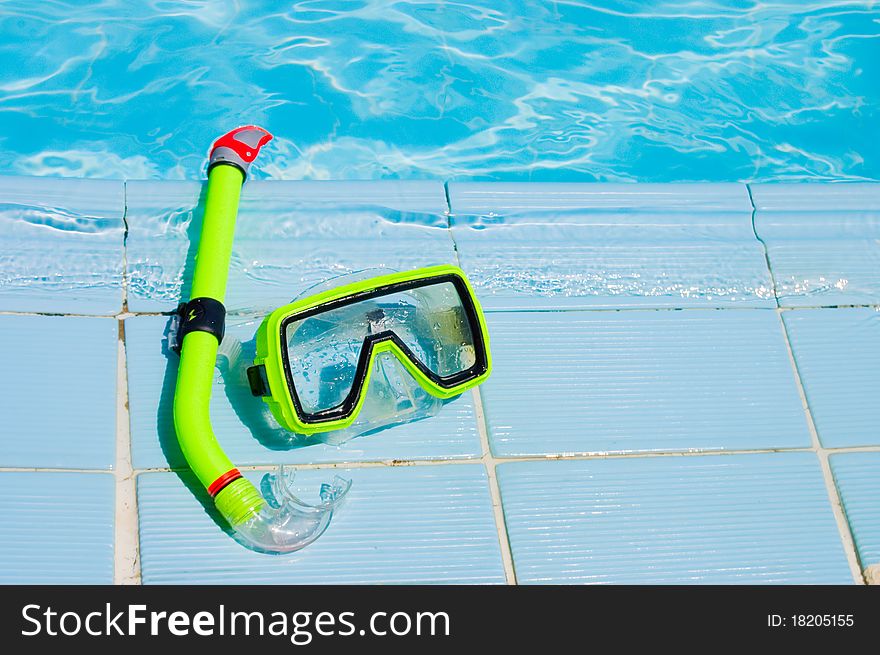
<point>41,469</point>
<point>510,460</point>
<point>487,458</point>
<point>62,314</point>
<point>843,527</point>
<point>490,463</point>
<point>837,450</point>
<point>233,313</point>
<point>124,249</point>
<point>126,565</point>
<point>474,460</point>
<point>126,554</point>
<point>449,231</point>
<point>648,308</point>
<point>773,284</point>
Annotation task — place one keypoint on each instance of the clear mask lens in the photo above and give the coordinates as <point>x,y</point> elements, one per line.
<point>324,349</point>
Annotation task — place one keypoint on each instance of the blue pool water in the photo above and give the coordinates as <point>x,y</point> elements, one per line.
<point>482,90</point>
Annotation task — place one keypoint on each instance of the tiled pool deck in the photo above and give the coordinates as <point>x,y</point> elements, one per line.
<point>686,385</point>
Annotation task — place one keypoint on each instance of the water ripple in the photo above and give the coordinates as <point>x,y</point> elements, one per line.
<point>503,89</point>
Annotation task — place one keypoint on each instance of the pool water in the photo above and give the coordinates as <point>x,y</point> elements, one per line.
<point>697,90</point>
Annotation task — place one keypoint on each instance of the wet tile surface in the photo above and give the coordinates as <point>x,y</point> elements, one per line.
<point>614,381</point>
<point>823,241</point>
<point>61,245</point>
<point>56,528</point>
<point>289,236</point>
<point>420,525</point>
<point>728,519</point>
<point>858,479</point>
<point>838,357</point>
<point>58,391</point>
<point>565,246</point>
<point>640,381</point>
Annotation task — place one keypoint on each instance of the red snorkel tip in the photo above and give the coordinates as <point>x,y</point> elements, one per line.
<point>239,147</point>
<point>246,141</point>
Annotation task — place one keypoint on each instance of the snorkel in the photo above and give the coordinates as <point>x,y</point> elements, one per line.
<point>275,520</point>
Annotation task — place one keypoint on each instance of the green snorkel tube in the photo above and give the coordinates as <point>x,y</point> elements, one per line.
<point>277,522</point>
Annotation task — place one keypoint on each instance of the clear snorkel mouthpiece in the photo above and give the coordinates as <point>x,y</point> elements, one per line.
<point>273,519</point>
<point>278,521</point>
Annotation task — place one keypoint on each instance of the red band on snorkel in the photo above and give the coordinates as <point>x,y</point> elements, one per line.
<point>247,151</point>
<point>218,484</point>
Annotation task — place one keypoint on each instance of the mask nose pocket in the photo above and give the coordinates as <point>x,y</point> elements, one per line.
<point>393,397</point>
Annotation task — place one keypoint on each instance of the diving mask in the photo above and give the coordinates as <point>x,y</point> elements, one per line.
<point>316,357</point>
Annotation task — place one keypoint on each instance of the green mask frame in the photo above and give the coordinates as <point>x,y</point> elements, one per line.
<point>447,357</point>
